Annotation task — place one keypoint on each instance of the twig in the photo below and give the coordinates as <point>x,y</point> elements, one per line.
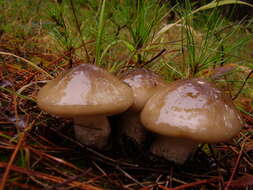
<point>29,62</point>
<point>13,156</point>
<point>71,179</point>
<point>129,176</point>
<point>217,163</point>
<point>244,158</point>
<point>50,177</point>
<point>24,186</point>
<point>110,159</point>
<point>79,30</point>
<point>245,81</point>
<point>99,168</point>
<point>182,187</point>
<point>19,91</point>
<point>17,94</point>
<point>236,165</point>
<point>155,57</point>
<point>50,157</point>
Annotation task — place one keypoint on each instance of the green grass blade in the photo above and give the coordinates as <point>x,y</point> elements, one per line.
<point>100,31</point>
<point>17,94</point>
<point>211,5</point>
<point>127,44</point>
<point>215,3</point>
<point>29,63</point>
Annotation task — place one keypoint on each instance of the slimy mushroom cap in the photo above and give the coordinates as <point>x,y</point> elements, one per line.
<point>144,84</point>
<point>192,109</point>
<point>85,90</point>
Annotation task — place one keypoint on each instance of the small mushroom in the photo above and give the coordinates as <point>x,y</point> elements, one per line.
<point>144,84</point>
<point>87,94</point>
<point>186,113</point>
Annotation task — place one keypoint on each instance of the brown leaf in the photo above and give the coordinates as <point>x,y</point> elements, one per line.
<point>223,70</point>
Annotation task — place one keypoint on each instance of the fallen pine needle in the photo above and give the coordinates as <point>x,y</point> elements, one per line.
<point>189,185</point>
<point>28,62</point>
<point>49,177</point>
<point>13,156</point>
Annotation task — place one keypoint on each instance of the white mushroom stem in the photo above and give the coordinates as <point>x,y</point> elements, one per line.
<point>132,127</point>
<point>92,130</point>
<point>173,149</point>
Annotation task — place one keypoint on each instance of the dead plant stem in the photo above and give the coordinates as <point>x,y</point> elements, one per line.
<point>13,156</point>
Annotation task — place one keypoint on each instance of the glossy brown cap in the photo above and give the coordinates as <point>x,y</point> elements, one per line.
<point>192,109</point>
<point>144,84</point>
<point>85,90</point>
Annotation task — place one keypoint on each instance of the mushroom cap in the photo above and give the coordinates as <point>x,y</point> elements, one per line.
<point>144,84</point>
<point>85,90</point>
<point>193,109</point>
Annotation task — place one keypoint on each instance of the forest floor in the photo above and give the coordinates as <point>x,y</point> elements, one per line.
<point>39,151</point>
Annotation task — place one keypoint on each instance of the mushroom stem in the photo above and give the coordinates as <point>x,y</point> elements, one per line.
<point>132,127</point>
<point>173,149</point>
<point>92,130</point>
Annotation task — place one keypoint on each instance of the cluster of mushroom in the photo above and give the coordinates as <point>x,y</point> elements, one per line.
<point>183,113</point>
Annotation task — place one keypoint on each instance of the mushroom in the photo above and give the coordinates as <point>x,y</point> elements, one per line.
<point>144,84</point>
<point>87,94</point>
<point>186,113</point>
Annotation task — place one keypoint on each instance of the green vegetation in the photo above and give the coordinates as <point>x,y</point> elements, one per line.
<point>40,39</point>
